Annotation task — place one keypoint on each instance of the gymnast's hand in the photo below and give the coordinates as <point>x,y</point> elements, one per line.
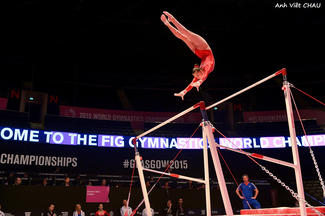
<point>181,94</point>
<point>196,84</point>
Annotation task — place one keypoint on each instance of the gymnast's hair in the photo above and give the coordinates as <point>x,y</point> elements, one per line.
<point>196,68</point>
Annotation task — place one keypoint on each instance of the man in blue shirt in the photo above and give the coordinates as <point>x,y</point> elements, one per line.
<point>248,192</point>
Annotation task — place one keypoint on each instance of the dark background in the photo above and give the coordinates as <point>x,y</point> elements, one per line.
<point>88,52</point>
<point>118,55</point>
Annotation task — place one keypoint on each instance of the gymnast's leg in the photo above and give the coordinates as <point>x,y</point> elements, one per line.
<point>195,39</point>
<point>178,34</point>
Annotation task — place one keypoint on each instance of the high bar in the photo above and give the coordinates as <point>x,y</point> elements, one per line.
<point>282,71</point>
<point>200,104</point>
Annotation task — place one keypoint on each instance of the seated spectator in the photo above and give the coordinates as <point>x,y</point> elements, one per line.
<point>201,187</point>
<point>67,181</point>
<point>78,180</point>
<point>17,181</point>
<point>101,211</point>
<point>180,211</point>
<point>103,183</point>
<point>168,211</point>
<point>53,181</point>
<point>11,179</point>
<point>28,178</point>
<point>190,185</point>
<point>44,182</point>
<point>166,188</point>
<point>50,211</point>
<point>166,185</point>
<point>148,184</point>
<point>125,209</point>
<point>78,211</point>
<point>1,212</point>
<point>144,213</point>
<point>89,183</point>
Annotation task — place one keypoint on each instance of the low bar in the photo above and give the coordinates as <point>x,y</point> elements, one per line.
<point>175,175</point>
<point>258,156</point>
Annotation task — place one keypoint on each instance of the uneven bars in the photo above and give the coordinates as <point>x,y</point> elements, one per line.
<point>282,71</point>
<point>200,104</point>
<point>175,175</point>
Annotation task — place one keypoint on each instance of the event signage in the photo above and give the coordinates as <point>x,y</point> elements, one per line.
<point>126,116</point>
<point>119,141</point>
<point>97,194</point>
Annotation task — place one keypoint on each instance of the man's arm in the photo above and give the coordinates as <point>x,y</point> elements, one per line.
<point>256,193</point>
<point>238,193</point>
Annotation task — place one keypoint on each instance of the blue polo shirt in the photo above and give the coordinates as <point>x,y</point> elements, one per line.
<point>247,189</point>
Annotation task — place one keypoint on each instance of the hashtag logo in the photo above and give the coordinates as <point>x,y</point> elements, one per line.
<point>126,163</point>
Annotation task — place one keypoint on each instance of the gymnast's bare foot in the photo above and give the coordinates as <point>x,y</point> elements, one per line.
<point>170,17</point>
<point>164,19</point>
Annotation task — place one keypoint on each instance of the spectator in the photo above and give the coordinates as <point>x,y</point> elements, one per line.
<point>245,191</point>
<point>1,212</point>
<point>190,185</point>
<point>101,211</point>
<point>166,185</point>
<point>166,188</point>
<point>67,181</point>
<point>50,211</point>
<point>28,178</point>
<point>17,181</point>
<point>53,181</point>
<point>89,183</point>
<point>11,179</point>
<point>180,211</point>
<point>145,214</point>
<point>103,183</point>
<point>201,187</point>
<point>125,209</point>
<point>78,211</point>
<point>78,180</point>
<point>168,211</point>
<point>147,184</point>
<point>44,182</point>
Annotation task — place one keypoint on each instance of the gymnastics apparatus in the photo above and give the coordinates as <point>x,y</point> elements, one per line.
<point>208,138</point>
<point>199,46</point>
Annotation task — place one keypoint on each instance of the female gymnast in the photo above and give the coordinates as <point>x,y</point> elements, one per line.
<point>198,46</point>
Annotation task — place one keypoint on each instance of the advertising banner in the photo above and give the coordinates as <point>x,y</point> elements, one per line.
<point>122,115</point>
<point>97,194</point>
<point>281,116</point>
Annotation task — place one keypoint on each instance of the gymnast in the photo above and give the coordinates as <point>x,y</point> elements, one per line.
<point>198,46</point>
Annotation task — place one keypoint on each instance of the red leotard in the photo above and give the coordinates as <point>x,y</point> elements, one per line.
<point>104,213</point>
<point>207,65</point>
